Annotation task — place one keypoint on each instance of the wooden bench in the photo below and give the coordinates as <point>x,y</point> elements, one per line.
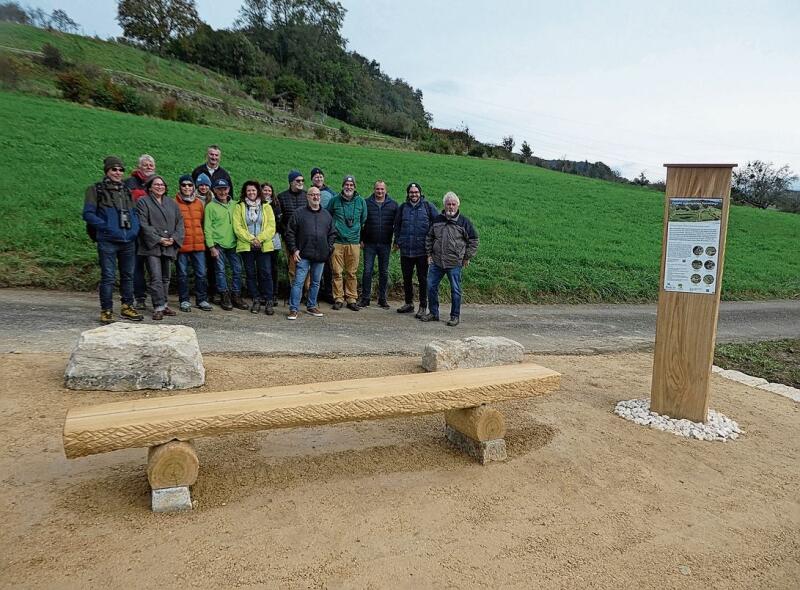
<point>167,424</point>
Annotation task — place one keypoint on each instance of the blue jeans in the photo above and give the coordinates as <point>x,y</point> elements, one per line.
<point>198,262</point>
<point>301,270</point>
<point>382,252</point>
<point>258,270</point>
<point>228,258</point>
<point>111,255</point>
<point>435,275</point>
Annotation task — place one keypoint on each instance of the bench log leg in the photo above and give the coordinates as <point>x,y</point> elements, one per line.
<point>171,469</point>
<point>478,432</point>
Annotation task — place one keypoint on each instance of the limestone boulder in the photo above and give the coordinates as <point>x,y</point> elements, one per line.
<point>127,357</point>
<point>471,352</point>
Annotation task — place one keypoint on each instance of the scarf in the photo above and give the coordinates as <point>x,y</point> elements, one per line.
<point>253,210</point>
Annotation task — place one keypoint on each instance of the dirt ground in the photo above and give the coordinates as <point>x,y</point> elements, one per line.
<point>586,499</point>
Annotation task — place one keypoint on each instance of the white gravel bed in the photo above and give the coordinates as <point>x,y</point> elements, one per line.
<point>717,427</point>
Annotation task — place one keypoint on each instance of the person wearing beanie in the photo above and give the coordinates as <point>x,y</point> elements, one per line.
<point>289,200</point>
<point>135,183</point>
<point>411,224</point>
<point>211,167</point>
<point>377,239</point>
<point>326,194</point>
<point>206,195</point>
<point>203,185</point>
<point>349,213</point>
<point>160,239</point>
<point>193,249</point>
<point>111,220</point>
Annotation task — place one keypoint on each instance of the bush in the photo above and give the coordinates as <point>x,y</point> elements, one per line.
<point>105,94</point>
<point>320,132</point>
<point>74,85</point>
<point>130,101</point>
<point>169,109</point>
<point>344,134</point>
<point>52,58</point>
<point>10,71</point>
<point>185,115</point>
<point>259,87</point>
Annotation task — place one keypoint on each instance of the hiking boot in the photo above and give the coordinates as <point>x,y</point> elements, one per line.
<point>420,312</point>
<point>315,312</point>
<point>255,307</point>
<point>268,309</point>
<point>353,306</point>
<point>292,315</point>
<point>226,301</point>
<point>168,311</point>
<point>217,298</point>
<point>107,316</point>
<point>129,313</point>
<point>158,315</point>
<point>453,321</point>
<point>237,302</point>
<point>383,304</point>
<point>407,308</point>
<point>185,306</point>
<point>363,303</point>
<point>140,304</point>
<point>337,306</point>
<point>429,317</point>
<point>205,306</point>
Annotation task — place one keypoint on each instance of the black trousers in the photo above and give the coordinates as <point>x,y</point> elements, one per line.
<point>407,265</point>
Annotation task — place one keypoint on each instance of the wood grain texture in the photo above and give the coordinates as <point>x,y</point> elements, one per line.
<point>686,325</point>
<point>149,422</point>
<point>171,465</point>
<point>482,423</point>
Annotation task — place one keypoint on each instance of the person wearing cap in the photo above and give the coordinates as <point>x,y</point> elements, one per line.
<point>326,194</point>
<point>292,198</point>
<point>211,167</point>
<point>135,183</point>
<point>254,226</point>
<point>451,243</point>
<point>193,249</point>
<point>221,243</point>
<point>112,221</point>
<point>376,238</point>
<point>206,195</point>
<point>411,225</point>
<point>160,239</point>
<point>349,212</point>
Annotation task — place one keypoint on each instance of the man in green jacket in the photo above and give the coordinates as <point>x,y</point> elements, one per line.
<point>349,212</point>
<point>221,244</point>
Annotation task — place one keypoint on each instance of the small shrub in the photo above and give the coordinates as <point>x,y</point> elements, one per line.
<point>320,133</point>
<point>74,85</point>
<point>185,115</point>
<point>130,101</point>
<point>52,58</point>
<point>344,134</point>
<point>169,109</point>
<point>259,87</point>
<point>10,71</point>
<point>105,94</point>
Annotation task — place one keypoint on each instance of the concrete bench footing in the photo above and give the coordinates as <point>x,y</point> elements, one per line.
<point>483,451</point>
<point>171,499</point>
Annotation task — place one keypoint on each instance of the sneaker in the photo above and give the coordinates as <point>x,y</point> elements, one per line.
<point>407,308</point>
<point>140,304</point>
<point>292,315</point>
<point>129,313</point>
<point>185,306</point>
<point>420,312</point>
<point>205,306</point>
<point>353,306</point>
<point>106,316</point>
<point>315,312</point>
<point>453,321</point>
<point>337,306</point>
<point>268,309</point>
<point>429,317</point>
<point>168,311</point>
<point>363,303</point>
<point>383,304</point>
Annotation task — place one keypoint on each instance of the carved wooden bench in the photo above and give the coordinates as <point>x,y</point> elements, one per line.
<point>168,424</point>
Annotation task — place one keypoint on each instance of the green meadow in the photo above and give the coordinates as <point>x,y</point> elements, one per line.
<point>545,236</point>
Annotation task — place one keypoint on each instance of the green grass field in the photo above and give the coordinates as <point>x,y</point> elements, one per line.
<point>545,236</point>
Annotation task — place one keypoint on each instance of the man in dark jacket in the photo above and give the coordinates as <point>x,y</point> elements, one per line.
<point>211,167</point>
<point>451,243</point>
<point>292,198</point>
<point>309,238</point>
<point>111,219</point>
<point>376,239</point>
<point>411,225</point>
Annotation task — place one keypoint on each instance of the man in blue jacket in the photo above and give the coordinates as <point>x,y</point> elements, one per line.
<point>111,220</point>
<point>376,240</point>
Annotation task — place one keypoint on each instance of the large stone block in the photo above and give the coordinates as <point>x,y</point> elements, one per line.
<point>470,353</point>
<point>126,357</point>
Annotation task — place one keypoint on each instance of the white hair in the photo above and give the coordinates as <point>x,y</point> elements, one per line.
<point>451,196</point>
<point>146,158</point>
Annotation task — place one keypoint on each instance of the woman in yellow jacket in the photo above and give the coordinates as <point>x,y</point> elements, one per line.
<point>254,226</point>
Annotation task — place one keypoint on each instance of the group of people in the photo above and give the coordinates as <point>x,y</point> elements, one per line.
<point>141,232</point>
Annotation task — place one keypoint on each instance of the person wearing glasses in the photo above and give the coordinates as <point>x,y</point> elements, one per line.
<point>112,222</point>
<point>292,198</point>
<point>160,238</point>
<point>193,249</point>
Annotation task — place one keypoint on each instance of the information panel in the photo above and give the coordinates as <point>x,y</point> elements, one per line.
<point>692,245</point>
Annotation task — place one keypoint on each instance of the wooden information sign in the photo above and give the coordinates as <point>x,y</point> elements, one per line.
<point>693,252</point>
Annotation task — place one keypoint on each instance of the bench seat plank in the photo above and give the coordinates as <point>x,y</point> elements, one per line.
<point>154,421</point>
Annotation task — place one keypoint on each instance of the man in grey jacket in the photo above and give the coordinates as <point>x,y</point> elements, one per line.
<point>451,243</point>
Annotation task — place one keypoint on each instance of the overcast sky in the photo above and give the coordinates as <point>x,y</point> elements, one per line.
<point>632,83</point>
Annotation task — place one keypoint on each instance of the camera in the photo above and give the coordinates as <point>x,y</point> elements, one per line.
<point>125,219</point>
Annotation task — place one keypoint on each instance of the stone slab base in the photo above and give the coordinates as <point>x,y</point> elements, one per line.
<point>171,499</point>
<point>483,451</point>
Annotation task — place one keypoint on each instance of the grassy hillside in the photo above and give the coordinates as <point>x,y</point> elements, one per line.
<point>545,236</point>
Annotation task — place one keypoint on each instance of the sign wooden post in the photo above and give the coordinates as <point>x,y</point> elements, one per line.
<point>695,224</point>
